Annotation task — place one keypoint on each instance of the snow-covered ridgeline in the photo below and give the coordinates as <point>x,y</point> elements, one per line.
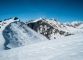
<point>3,25</point>
<point>51,28</point>
<point>19,34</point>
<point>74,27</point>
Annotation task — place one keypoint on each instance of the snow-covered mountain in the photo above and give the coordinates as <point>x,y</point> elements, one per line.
<point>74,27</point>
<point>75,24</point>
<point>14,33</point>
<point>3,24</point>
<point>35,46</point>
<point>52,29</point>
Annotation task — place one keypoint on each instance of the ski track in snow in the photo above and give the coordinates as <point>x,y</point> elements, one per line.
<point>66,48</point>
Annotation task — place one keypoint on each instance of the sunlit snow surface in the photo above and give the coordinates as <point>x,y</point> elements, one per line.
<point>66,48</point>
<point>14,34</point>
<point>20,35</point>
<point>2,25</point>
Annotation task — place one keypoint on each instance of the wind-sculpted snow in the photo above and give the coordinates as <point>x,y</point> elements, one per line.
<point>66,48</point>
<point>3,24</point>
<point>18,34</point>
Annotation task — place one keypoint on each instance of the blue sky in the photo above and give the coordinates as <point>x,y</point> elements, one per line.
<point>62,10</point>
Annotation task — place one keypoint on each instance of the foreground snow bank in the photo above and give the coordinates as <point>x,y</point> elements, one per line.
<point>66,48</point>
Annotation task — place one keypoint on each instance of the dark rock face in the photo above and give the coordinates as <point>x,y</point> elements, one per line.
<point>42,28</point>
<point>15,18</point>
<point>0,21</point>
<point>45,28</point>
<point>61,32</point>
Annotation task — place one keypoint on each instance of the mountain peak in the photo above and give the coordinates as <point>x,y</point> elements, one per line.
<point>15,18</point>
<point>74,23</point>
<point>40,18</point>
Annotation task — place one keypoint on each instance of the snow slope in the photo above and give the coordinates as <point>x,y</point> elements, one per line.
<point>66,48</point>
<point>75,30</point>
<point>3,24</point>
<point>19,34</point>
<point>80,27</point>
<point>14,33</point>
